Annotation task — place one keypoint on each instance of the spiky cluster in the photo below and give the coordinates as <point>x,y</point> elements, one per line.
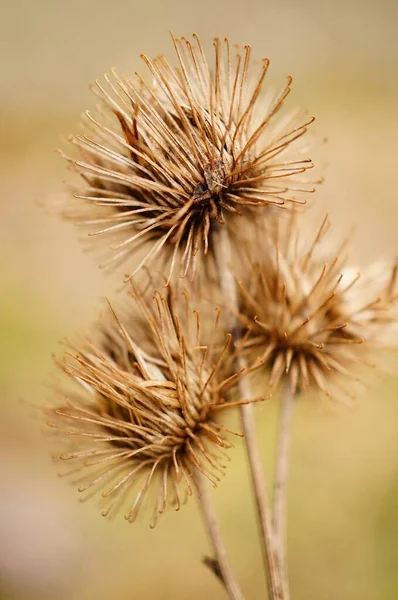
<point>169,165</point>
<point>147,416</point>
<point>165,162</point>
<point>306,314</point>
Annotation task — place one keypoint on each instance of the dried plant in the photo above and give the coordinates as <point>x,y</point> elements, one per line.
<point>313,322</point>
<point>146,414</point>
<point>307,316</point>
<point>176,168</point>
<point>167,161</point>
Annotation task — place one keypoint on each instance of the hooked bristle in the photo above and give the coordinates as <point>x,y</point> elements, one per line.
<point>310,318</point>
<point>168,161</point>
<point>146,414</point>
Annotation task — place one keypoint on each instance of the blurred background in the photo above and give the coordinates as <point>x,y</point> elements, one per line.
<point>343,497</point>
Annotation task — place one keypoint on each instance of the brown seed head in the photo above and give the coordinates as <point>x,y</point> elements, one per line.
<point>309,318</point>
<point>146,414</point>
<point>167,161</point>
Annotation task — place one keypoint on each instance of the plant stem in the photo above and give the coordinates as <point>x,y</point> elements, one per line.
<point>223,256</point>
<point>212,526</point>
<point>281,476</point>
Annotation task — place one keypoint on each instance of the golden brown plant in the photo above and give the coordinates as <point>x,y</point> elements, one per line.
<point>307,315</point>
<point>170,159</point>
<point>170,163</point>
<point>146,414</point>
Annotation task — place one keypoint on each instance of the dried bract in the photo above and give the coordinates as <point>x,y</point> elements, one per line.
<point>308,316</point>
<point>166,161</point>
<point>145,415</point>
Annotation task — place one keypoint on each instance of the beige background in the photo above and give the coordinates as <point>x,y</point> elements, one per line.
<point>343,516</point>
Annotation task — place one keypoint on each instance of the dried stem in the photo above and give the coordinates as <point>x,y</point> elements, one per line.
<point>210,519</point>
<point>280,483</point>
<point>223,254</point>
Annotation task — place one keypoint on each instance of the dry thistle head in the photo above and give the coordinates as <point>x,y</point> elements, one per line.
<point>310,319</point>
<point>146,414</point>
<point>167,161</point>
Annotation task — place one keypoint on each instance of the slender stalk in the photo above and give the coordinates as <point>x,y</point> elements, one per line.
<point>281,476</point>
<point>223,255</point>
<point>210,519</point>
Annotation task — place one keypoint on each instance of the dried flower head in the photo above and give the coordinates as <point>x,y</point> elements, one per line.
<point>307,315</point>
<point>147,415</point>
<point>167,161</point>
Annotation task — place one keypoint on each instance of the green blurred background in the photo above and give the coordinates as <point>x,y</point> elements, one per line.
<point>343,497</point>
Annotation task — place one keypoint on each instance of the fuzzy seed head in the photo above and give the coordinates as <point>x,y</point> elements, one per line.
<point>146,414</point>
<point>167,161</point>
<point>310,319</point>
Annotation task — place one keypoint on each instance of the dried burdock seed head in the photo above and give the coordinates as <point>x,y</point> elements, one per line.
<point>308,316</point>
<point>146,413</point>
<point>166,161</point>
<point>373,302</point>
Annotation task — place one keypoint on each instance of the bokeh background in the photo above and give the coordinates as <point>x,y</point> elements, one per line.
<point>343,499</point>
